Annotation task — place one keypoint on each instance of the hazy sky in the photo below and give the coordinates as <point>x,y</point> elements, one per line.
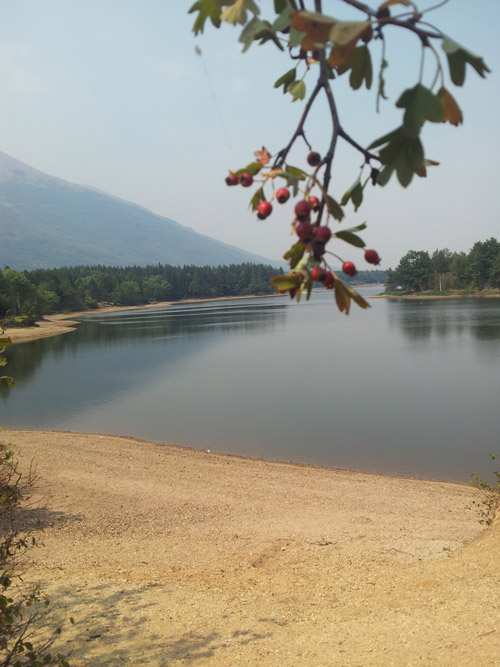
<point>110,93</point>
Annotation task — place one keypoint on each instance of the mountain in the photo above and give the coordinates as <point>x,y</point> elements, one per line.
<point>46,222</point>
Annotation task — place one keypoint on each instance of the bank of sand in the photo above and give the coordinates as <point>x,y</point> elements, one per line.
<point>170,556</point>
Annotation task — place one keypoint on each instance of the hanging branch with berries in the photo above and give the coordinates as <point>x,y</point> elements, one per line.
<point>332,48</point>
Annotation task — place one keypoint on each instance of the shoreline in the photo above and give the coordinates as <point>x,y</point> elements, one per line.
<point>167,555</point>
<point>61,323</point>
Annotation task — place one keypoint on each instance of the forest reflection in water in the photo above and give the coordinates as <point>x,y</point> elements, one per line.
<point>407,387</point>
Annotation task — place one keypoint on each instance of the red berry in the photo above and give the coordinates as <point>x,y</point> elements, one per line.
<point>329,280</point>
<point>322,234</point>
<point>349,269</point>
<point>303,209</point>
<point>264,209</point>
<point>232,179</point>
<point>283,195</point>
<point>372,257</point>
<point>304,231</point>
<point>246,179</point>
<point>314,158</point>
<point>318,274</point>
<point>314,201</point>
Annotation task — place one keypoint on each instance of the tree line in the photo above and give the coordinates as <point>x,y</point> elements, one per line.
<point>418,271</point>
<point>40,292</point>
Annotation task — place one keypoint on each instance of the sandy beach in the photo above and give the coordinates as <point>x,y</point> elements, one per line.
<point>171,556</point>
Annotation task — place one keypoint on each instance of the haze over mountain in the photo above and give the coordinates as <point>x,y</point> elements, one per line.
<point>46,222</point>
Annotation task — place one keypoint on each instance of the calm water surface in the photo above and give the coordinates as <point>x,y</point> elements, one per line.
<point>407,387</point>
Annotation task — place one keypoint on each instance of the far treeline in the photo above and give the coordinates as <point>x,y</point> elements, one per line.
<point>40,292</point>
<point>444,270</point>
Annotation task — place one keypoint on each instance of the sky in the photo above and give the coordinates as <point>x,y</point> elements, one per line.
<point>111,94</point>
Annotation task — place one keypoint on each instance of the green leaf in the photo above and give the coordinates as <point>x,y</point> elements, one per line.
<point>284,19</point>
<point>295,254</point>
<point>334,208</point>
<point>387,138</point>
<point>296,37</point>
<point>355,194</point>
<point>420,104</point>
<point>458,57</point>
<point>257,198</point>
<point>286,79</point>
<point>207,9</point>
<point>286,281</point>
<point>251,31</point>
<point>343,295</point>
<point>351,238</point>
<point>360,65</point>
<point>7,381</point>
<point>237,12</point>
<point>295,172</point>
<point>401,153</point>
<point>297,90</point>
<point>252,169</point>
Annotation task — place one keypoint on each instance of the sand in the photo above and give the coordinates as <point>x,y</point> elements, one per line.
<point>171,556</point>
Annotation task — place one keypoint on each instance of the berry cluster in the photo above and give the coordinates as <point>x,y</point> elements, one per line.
<point>308,264</point>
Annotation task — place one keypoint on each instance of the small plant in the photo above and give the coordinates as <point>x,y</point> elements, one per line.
<point>24,641</point>
<point>488,505</point>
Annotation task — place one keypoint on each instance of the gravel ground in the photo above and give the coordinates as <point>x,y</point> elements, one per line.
<point>170,556</point>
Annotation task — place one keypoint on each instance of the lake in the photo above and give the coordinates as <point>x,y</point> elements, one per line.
<point>406,387</point>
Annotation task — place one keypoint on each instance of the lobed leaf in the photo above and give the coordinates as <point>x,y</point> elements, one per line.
<point>355,194</point>
<point>360,65</point>
<point>237,12</point>
<point>458,57</point>
<point>420,104</point>
<point>207,9</point>
<point>316,27</point>
<point>286,79</point>
<point>297,90</point>
<point>451,110</point>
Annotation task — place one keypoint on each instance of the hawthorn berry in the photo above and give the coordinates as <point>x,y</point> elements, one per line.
<point>232,179</point>
<point>283,195</point>
<point>304,231</point>
<point>372,257</point>
<point>246,179</point>
<point>322,234</point>
<point>328,280</point>
<point>302,210</point>
<point>264,209</point>
<point>349,269</point>
<point>314,158</point>
<point>318,274</point>
<point>314,201</point>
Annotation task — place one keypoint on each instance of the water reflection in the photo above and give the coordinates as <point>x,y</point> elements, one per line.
<point>405,387</point>
<point>120,336</point>
<point>477,319</point>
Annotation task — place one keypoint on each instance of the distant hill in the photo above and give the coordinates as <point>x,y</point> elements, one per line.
<point>46,222</point>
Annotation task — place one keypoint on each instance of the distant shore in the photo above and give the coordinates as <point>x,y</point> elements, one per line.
<point>60,323</point>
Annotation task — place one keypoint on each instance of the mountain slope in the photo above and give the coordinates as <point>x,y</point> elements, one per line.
<point>46,222</point>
